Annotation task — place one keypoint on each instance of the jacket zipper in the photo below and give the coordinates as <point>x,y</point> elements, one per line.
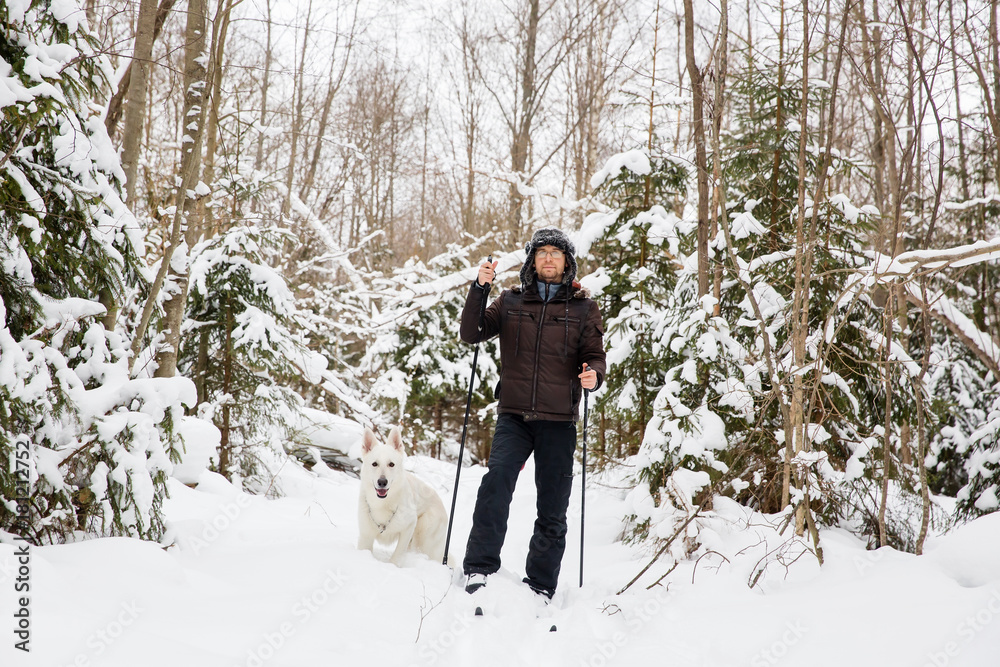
<point>538,349</point>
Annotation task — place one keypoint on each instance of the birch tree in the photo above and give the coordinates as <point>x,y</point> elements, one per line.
<point>135,111</point>
<point>185,226</point>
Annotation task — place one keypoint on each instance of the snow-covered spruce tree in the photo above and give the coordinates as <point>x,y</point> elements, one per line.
<point>339,303</point>
<point>673,379</point>
<point>238,346</point>
<point>436,364</point>
<point>640,244</point>
<point>964,437</point>
<point>99,443</point>
<point>981,493</point>
<point>960,391</point>
<point>964,458</point>
<point>963,425</point>
<point>844,373</point>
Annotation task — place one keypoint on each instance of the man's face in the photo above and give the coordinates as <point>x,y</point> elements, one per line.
<point>550,263</point>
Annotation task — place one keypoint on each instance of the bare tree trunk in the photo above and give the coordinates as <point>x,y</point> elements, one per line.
<point>333,85</point>
<point>925,498</point>
<point>890,185</point>
<point>591,92</point>
<point>220,29</point>
<point>135,111</point>
<point>196,82</point>
<point>701,158</point>
<point>651,127</point>
<point>911,182</point>
<point>115,104</point>
<point>524,118</point>
<point>776,171</point>
<point>90,8</point>
<point>883,536</point>
<point>193,120</point>
<point>471,140</point>
<point>265,86</point>
<point>225,441</point>
<point>917,58</point>
<point>800,298</point>
<point>425,117</point>
<point>470,117</point>
<point>826,132</point>
<point>718,110</point>
<point>680,64</point>
<point>202,371</point>
<point>297,118</point>
<point>786,480</point>
<point>959,117</point>
<point>994,43</point>
<point>989,81</point>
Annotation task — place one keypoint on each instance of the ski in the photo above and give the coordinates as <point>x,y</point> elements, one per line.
<point>479,612</point>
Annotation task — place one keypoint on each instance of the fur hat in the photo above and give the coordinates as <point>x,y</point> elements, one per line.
<point>544,237</point>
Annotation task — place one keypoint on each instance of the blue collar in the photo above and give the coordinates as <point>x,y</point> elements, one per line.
<point>547,290</point>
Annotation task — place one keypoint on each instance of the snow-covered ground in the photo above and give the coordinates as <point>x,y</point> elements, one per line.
<point>254,582</point>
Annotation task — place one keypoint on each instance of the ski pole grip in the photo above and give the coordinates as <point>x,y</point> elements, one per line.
<point>486,295</point>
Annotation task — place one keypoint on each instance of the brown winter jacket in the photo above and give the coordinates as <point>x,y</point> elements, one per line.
<point>543,347</point>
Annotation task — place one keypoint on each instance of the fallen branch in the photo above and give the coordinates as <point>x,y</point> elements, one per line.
<point>659,553</point>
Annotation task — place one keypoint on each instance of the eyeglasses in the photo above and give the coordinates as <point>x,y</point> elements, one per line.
<point>554,254</point>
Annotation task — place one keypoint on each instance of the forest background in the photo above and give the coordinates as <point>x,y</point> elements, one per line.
<point>249,213</point>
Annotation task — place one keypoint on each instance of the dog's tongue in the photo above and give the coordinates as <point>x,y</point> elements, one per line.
<point>382,493</point>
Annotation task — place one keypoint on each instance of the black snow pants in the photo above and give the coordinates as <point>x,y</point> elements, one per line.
<point>553,443</point>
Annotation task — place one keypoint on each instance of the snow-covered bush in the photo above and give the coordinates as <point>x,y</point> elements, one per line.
<point>98,444</point>
<point>420,369</point>
<point>239,347</point>
<point>640,242</point>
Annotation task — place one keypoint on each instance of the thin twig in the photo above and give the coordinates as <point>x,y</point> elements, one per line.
<point>710,551</point>
<point>424,615</point>
<point>665,575</point>
<point>661,550</point>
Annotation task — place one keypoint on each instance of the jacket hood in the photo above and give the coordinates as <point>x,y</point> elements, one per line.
<point>552,237</point>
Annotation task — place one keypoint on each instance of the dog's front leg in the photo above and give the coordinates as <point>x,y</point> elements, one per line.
<point>402,545</point>
<point>366,540</point>
<point>366,532</point>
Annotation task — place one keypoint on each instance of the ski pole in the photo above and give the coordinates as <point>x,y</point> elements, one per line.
<point>465,425</point>
<point>583,485</point>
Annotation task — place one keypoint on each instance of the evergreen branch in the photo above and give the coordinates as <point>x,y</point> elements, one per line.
<point>17,142</point>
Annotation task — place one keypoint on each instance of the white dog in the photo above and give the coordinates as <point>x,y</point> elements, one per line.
<point>395,505</point>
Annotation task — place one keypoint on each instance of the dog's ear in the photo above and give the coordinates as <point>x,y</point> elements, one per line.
<point>369,440</point>
<point>396,439</point>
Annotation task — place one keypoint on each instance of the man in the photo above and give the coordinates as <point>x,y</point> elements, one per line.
<point>551,349</point>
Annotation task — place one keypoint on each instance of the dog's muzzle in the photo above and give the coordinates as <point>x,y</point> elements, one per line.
<point>382,487</point>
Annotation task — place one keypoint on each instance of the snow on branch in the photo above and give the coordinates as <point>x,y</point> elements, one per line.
<point>909,264</point>
<point>963,327</point>
<point>978,201</point>
<point>928,261</point>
